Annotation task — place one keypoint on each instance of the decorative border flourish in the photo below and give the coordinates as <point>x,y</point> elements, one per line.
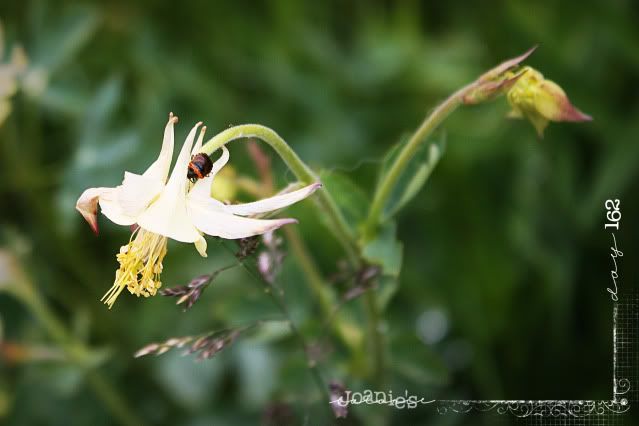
<point>541,408</point>
<point>552,408</point>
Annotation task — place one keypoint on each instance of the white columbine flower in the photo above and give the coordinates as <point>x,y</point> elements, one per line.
<point>173,209</point>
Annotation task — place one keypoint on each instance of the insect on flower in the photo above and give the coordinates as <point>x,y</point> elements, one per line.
<point>199,167</point>
<point>166,207</point>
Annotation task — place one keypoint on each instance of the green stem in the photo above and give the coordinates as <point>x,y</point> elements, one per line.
<point>328,305</point>
<point>384,190</point>
<point>299,168</point>
<point>278,300</point>
<point>311,273</point>
<point>311,363</point>
<point>111,399</point>
<point>377,339</point>
<point>430,123</point>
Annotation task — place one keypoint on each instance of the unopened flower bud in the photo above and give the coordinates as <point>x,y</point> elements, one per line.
<point>489,90</point>
<point>495,81</point>
<point>541,101</point>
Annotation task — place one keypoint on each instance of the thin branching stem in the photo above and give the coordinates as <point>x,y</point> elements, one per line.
<point>276,296</point>
<point>303,173</point>
<point>382,194</point>
<point>428,126</point>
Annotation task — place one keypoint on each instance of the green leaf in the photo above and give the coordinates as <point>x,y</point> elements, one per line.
<point>414,175</point>
<point>270,331</point>
<point>351,200</point>
<point>385,250</point>
<point>59,44</point>
<point>387,287</point>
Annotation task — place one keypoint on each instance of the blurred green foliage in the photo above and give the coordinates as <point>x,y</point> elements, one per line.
<point>505,260</point>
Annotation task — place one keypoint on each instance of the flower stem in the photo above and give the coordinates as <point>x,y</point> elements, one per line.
<point>299,168</point>
<point>384,190</point>
<point>326,298</point>
<point>377,338</point>
<point>311,273</point>
<point>430,123</point>
<point>111,399</point>
<point>275,294</point>
<point>311,363</point>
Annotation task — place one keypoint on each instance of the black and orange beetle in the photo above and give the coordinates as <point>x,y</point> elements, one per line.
<point>199,167</point>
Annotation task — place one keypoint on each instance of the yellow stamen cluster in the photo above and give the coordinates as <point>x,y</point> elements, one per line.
<point>140,266</point>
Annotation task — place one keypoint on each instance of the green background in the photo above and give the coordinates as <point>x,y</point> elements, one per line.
<point>506,262</point>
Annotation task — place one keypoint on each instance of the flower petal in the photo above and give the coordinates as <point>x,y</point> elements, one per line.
<point>551,102</point>
<point>168,215</point>
<point>137,192</point>
<point>198,144</point>
<point>87,205</point>
<point>542,101</point>
<point>220,224</point>
<point>124,203</point>
<point>505,66</point>
<point>272,203</point>
<point>221,162</point>
<point>108,198</point>
<point>538,121</point>
<point>111,207</point>
<point>202,195</point>
<point>178,176</point>
<point>515,113</point>
<point>200,246</point>
<point>159,170</point>
<point>5,108</point>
